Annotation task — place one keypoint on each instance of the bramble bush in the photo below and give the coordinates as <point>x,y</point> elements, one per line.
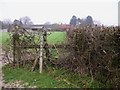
<point>95,51</point>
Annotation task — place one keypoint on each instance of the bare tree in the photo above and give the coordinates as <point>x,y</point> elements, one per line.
<point>47,23</point>
<point>6,24</point>
<point>26,20</point>
<point>17,22</point>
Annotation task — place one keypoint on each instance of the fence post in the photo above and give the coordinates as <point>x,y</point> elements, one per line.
<point>41,53</point>
<point>14,45</point>
<point>47,53</point>
<point>16,49</point>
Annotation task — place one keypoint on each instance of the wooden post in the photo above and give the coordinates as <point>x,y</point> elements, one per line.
<point>14,45</point>
<point>16,52</point>
<point>41,54</point>
<point>46,48</point>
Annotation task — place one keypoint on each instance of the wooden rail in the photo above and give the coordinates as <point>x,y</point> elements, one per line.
<point>38,46</point>
<point>43,44</point>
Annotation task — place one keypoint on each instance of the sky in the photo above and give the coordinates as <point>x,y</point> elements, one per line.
<point>60,11</point>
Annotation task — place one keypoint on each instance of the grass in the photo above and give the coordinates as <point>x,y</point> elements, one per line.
<point>33,78</point>
<point>58,78</point>
<point>57,38</point>
<point>4,36</point>
<point>53,38</point>
<point>43,80</point>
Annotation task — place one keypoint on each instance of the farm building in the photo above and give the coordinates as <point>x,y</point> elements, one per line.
<point>49,27</point>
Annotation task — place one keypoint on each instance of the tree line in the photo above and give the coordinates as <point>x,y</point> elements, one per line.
<point>74,21</point>
<point>6,24</point>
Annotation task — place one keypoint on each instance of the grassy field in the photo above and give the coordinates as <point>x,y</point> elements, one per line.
<point>57,38</point>
<point>4,36</point>
<point>58,78</point>
<point>53,38</point>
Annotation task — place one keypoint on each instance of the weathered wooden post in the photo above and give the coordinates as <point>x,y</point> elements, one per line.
<point>14,45</point>
<point>16,48</point>
<point>15,37</point>
<point>47,53</point>
<point>41,53</point>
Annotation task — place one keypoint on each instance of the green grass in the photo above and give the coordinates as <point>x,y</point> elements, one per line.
<point>58,78</point>
<point>33,78</point>
<point>53,38</point>
<point>57,38</point>
<point>4,36</point>
<point>43,80</point>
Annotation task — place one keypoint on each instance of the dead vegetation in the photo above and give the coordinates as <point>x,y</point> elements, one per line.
<point>95,51</point>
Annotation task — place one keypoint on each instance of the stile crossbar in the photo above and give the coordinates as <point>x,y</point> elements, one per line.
<point>42,46</point>
<point>17,48</point>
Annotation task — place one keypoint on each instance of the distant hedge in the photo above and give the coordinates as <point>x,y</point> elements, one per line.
<point>95,51</point>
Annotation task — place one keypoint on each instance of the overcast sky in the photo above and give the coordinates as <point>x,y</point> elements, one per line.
<point>41,11</point>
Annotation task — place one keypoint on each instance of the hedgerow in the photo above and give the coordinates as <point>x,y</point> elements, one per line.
<point>95,51</point>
